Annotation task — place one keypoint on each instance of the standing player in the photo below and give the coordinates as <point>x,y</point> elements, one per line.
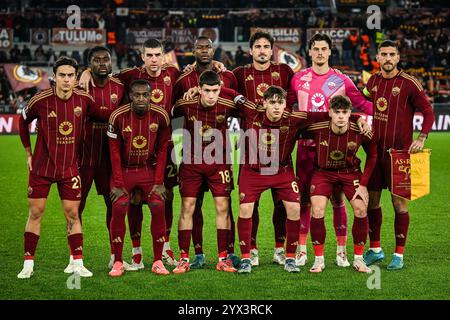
<point>314,87</point>
<point>205,119</point>
<point>60,112</point>
<point>396,97</point>
<point>337,141</point>
<point>161,79</point>
<point>204,52</point>
<point>95,164</point>
<point>137,132</point>
<point>253,80</point>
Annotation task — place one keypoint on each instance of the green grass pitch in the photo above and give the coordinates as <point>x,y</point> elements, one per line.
<point>426,275</point>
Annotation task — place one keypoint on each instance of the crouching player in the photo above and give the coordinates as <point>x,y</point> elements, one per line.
<point>269,141</point>
<point>337,141</point>
<point>136,132</point>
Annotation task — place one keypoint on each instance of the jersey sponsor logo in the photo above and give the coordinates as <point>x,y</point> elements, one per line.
<point>167,81</point>
<point>127,129</point>
<point>220,118</point>
<point>52,114</point>
<point>261,88</point>
<point>336,155</point>
<point>351,145</point>
<point>77,110</point>
<point>249,78</point>
<point>139,142</point>
<point>317,100</point>
<point>324,143</point>
<point>113,98</point>
<point>395,91</point>
<point>375,89</point>
<point>157,95</point>
<point>275,76</point>
<point>284,129</point>
<point>65,128</point>
<point>268,138</point>
<point>381,104</point>
<point>306,86</point>
<point>153,127</point>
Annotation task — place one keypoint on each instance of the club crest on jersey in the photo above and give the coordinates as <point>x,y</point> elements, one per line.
<point>351,145</point>
<point>261,88</point>
<point>317,100</point>
<point>268,138</point>
<point>65,128</point>
<point>139,142</point>
<point>153,127</point>
<point>336,155</point>
<point>395,91</point>
<point>220,118</point>
<point>381,104</point>
<point>284,129</point>
<point>114,98</point>
<point>275,76</point>
<point>205,131</point>
<point>167,81</point>
<point>77,110</point>
<point>157,95</point>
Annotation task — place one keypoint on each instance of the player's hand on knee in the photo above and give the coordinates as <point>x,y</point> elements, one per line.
<point>117,193</point>
<point>362,192</point>
<point>159,190</point>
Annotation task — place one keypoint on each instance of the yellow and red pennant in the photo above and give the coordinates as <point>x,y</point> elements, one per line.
<point>410,173</point>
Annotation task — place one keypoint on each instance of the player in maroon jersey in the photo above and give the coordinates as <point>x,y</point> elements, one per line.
<point>60,112</point>
<point>396,97</point>
<point>95,164</point>
<point>137,132</point>
<point>337,141</point>
<point>161,78</point>
<point>253,80</point>
<point>203,52</point>
<point>205,120</point>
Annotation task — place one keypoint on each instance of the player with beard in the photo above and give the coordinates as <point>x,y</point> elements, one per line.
<point>253,81</point>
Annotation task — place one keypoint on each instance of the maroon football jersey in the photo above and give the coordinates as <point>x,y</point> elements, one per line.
<point>395,101</point>
<point>59,126</point>
<point>161,94</point>
<point>95,150</point>
<point>199,122</point>
<point>190,80</point>
<point>135,140</point>
<point>264,137</point>
<point>338,151</point>
<point>253,83</point>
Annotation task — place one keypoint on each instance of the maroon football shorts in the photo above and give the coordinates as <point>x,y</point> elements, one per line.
<point>143,179</point>
<point>68,188</point>
<point>381,175</point>
<point>101,176</point>
<point>252,183</point>
<point>171,172</point>
<point>325,182</point>
<point>305,166</point>
<point>218,177</point>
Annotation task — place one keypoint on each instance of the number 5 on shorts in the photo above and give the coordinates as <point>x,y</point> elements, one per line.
<point>225,176</point>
